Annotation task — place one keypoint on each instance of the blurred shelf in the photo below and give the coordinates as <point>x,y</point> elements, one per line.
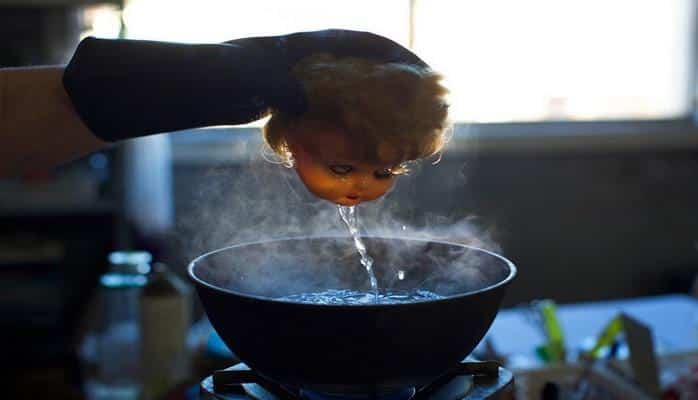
<point>76,190</point>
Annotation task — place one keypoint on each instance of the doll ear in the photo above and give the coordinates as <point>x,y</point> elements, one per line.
<point>295,151</point>
<point>289,162</point>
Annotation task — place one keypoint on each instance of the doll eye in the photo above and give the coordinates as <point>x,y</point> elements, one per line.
<point>383,173</point>
<point>341,169</point>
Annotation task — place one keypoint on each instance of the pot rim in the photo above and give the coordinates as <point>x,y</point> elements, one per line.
<point>190,272</point>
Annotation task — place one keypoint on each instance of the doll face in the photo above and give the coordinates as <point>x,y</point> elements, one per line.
<point>328,165</point>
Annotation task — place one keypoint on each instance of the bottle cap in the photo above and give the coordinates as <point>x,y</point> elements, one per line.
<point>130,262</point>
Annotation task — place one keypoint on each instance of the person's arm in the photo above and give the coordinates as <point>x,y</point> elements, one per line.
<point>39,128</point>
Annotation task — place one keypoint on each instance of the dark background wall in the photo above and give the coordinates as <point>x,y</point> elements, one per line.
<point>591,226</point>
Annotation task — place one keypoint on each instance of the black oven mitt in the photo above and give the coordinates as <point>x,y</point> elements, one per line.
<point>129,88</point>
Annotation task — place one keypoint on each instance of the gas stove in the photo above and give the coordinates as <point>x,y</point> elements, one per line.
<point>469,381</point>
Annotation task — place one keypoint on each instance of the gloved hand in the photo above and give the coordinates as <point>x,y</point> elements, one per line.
<point>129,88</point>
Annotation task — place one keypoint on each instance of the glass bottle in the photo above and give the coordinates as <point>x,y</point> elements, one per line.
<point>118,341</point>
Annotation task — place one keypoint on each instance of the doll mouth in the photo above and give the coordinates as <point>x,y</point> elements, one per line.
<point>350,200</point>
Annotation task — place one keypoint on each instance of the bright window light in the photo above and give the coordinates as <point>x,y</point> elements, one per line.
<point>539,60</point>
<point>220,20</point>
<point>505,60</point>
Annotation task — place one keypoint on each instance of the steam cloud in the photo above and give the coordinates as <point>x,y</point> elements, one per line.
<point>258,200</point>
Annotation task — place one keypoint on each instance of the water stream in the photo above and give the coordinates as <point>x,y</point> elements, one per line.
<point>351,220</point>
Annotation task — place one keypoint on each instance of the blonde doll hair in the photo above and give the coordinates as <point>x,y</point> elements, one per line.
<point>393,112</point>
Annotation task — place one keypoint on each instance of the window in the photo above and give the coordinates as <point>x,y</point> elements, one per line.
<point>505,60</point>
<point>538,60</point>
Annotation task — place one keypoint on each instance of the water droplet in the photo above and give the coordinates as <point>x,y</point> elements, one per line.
<point>400,274</point>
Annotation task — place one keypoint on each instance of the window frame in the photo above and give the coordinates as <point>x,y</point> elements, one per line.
<point>232,145</point>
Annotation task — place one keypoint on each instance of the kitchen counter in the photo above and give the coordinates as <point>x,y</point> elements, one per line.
<point>672,318</point>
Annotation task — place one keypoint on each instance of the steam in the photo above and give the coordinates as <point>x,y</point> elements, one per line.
<point>258,200</point>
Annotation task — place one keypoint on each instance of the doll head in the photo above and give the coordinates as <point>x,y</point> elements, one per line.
<point>365,121</point>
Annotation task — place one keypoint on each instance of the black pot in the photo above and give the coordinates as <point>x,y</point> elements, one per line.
<point>350,348</point>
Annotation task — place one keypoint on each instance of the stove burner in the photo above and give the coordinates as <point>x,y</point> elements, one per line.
<point>470,380</point>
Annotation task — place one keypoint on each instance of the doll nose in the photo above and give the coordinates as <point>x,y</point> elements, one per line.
<point>361,183</point>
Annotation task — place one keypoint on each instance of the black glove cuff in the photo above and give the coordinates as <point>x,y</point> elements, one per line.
<point>128,88</point>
